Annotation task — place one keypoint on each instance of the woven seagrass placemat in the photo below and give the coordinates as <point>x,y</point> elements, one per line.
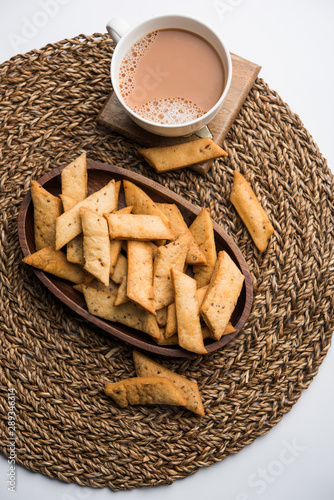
<point>65,426</point>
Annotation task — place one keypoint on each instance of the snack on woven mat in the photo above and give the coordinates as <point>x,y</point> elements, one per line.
<point>140,272</point>
<point>166,158</point>
<point>155,384</point>
<point>133,264</point>
<point>251,212</point>
<point>146,367</point>
<point>145,390</point>
<point>74,179</point>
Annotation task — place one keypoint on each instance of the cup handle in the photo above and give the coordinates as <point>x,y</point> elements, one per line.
<point>116,28</point>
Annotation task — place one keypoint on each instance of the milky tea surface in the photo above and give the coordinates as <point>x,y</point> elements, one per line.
<point>171,76</point>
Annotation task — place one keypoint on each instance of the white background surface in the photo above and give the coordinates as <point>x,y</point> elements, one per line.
<point>293,41</point>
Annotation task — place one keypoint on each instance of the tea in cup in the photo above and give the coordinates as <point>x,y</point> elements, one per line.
<point>170,73</point>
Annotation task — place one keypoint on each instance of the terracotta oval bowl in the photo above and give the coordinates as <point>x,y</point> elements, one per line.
<point>100,174</point>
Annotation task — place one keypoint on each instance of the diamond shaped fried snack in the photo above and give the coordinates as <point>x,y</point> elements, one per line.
<point>74,179</point>
<point>137,227</point>
<point>146,367</point>
<point>46,210</point>
<point>202,231</point>
<point>166,158</point>
<point>251,212</point>
<point>189,329</point>
<point>54,262</point>
<point>222,295</point>
<point>171,323</point>
<point>140,274</point>
<point>145,390</point>
<point>68,225</point>
<point>96,244</point>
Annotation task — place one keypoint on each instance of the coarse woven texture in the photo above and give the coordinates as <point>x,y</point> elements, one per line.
<point>65,426</point>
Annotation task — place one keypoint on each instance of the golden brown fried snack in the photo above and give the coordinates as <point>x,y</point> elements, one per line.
<point>54,262</point>
<point>74,248</point>
<point>116,245</point>
<point>121,269</point>
<point>206,332</point>
<point>96,244</point>
<point>101,302</point>
<point>251,212</point>
<point>222,295</point>
<point>166,158</point>
<point>145,390</point>
<point>189,329</point>
<point>137,227</point>
<point>68,225</point>
<point>121,297</point>
<point>141,202</point>
<point>202,230</point>
<point>74,179</point>
<point>171,323</point>
<point>162,317</point>
<point>46,210</point>
<point>146,367</point>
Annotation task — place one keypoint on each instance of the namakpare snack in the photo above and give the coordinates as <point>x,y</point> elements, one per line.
<point>166,158</point>
<point>222,295</point>
<point>145,390</point>
<point>251,212</point>
<point>46,210</point>
<point>146,367</point>
<point>134,264</point>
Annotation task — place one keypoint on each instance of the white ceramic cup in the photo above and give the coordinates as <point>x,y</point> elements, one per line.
<point>125,36</point>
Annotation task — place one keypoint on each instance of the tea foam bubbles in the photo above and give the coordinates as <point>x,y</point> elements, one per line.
<point>169,111</point>
<point>130,63</point>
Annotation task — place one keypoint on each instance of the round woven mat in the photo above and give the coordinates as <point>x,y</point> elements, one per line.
<point>65,426</point>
